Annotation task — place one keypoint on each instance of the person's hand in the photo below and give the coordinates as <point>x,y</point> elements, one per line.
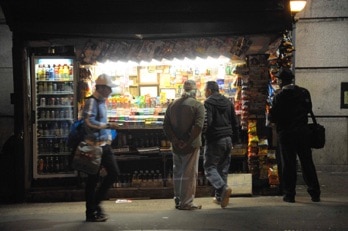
<point>181,144</point>
<point>114,126</point>
<point>178,143</point>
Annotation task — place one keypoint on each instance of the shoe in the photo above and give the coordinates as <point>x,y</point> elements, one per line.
<point>177,202</point>
<point>97,218</point>
<point>289,199</point>
<point>315,195</point>
<point>190,207</point>
<point>225,196</point>
<point>216,201</point>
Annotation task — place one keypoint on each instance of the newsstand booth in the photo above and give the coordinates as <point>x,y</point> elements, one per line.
<point>163,44</point>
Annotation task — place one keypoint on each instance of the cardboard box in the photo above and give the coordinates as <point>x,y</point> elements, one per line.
<point>241,183</point>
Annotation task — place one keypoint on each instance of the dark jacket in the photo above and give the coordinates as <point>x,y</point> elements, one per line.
<point>220,118</point>
<point>290,108</point>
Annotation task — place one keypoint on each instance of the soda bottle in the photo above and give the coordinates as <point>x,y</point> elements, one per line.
<point>46,72</point>
<point>56,72</point>
<point>40,166</point>
<point>65,72</point>
<point>61,146</point>
<point>71,72</point>
<point>61,72</point>
<point>50,72</point>
<point>56,146</point>
<point>45,129</point>
<point>46,165</point>
<point>40,130</point>
<point>51,164</point>
<point>65,128</point>
<point>56,129</point>
<point>50,146</point>
<point>38,70</point>
<point>47,168</point>
<point>56,164</point>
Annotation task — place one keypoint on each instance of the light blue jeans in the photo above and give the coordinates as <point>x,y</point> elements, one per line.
<point>217,157</point>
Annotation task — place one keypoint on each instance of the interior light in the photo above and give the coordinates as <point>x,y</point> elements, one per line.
<point>297,5</point>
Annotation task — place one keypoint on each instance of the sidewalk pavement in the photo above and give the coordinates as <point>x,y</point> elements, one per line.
<point>243,213</point>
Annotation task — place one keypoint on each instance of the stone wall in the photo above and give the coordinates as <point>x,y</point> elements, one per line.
<point>321,65</point>
<point>6,81</point>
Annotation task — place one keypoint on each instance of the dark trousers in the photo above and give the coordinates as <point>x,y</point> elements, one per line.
<point>291,144</point>
<point>93,194</point>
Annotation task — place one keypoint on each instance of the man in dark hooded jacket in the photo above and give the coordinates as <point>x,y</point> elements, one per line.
<point>289,111</point>
<point>220,128</point>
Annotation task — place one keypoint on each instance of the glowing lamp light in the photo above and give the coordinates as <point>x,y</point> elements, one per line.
<point>297,6</point>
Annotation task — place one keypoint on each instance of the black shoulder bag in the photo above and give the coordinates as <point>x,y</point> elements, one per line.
<point>317,133</point>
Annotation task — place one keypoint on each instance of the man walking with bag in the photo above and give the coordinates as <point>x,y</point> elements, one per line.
<point>289,111</point>
<point>98,133</point>
<point>183,124</point>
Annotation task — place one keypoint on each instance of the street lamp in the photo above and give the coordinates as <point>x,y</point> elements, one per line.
<point>297,6</point>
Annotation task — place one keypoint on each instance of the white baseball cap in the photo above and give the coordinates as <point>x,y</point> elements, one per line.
<point>105,80</point>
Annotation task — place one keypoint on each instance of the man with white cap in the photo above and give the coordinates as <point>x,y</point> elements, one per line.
<point>98,131</point>
<point>183,125</point>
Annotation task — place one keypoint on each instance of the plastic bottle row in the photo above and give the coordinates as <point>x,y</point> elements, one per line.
<point>151,178</point>
<point>53,164</point>
<point>55,101</point>
<point>54,71</point>
<point>56,114</point>
<point>151,139</point>
<point>56,129</point>
<point>57,87</point>
<point>52,146</point>
<point>141,178</point>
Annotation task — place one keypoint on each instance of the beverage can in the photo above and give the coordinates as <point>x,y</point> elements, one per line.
<point>49,87</point>
<point>61,114</point>
<point>41,87</point>
<point>43,101</point>
<point>43,114</point>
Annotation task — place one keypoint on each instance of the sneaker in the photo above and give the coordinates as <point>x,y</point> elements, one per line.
<point>190,207</point>
<point>225,196</point>
<point>177,202</point>
<point>97,218</point>
<point>216,201</point>
<point>289,199</point>
<point>316,199</point>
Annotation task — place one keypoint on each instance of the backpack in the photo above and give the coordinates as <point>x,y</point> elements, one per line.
<point>76,134</point>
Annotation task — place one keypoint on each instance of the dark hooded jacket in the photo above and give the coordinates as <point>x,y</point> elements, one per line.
<point>290,108</point>
<point>220,118</point>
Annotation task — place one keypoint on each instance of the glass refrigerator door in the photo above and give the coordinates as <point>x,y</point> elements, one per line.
<point>53,80</point>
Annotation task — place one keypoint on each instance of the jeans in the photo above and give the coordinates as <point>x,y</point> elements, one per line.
<point>217,157</point>
<point>95,195</point>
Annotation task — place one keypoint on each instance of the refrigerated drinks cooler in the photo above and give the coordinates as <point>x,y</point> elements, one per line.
<point>54,86</point>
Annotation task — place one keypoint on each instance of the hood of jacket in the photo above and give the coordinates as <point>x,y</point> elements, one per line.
<point>219,101</point>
